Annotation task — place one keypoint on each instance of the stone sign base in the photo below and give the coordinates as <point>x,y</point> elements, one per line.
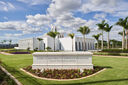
<point>62,60</point>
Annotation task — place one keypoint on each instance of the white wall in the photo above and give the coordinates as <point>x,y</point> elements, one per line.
<point>66,44</point>
<point>33,43</point>
<point>24,44</point>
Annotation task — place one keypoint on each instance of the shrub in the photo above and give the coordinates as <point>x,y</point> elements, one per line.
<point>48,48</point>
<point>115,50</point>
<point>62,73</point>
<point>36,49</point>
<point>28,49</point>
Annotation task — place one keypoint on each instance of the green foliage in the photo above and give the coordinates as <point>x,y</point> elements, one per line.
<point>5,80</point>
<point>101,25</point>
<point>71,35</point>
<point>62,73</point>
<point>84,30</point>
<point>48,48</point>
<point>108,28</point>
<point>28,49</point>
<point>40,39</point>
<point>53,34</point>
<point>115,50</point>
<point>97,36</point>
<point>36,49</point>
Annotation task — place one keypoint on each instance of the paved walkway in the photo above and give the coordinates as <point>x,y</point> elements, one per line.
<point>111,56</point>
<point>6,53</point>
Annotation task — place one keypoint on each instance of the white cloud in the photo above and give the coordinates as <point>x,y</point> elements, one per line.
<point>121,14</point>
<point>13,35</point>
<point>59,7</point>
<point>6,6</point>
<point>107,6</point>
<point>100,16</point>
<point>38,20</point>
<point>35,2</point>
<point>18,26</point>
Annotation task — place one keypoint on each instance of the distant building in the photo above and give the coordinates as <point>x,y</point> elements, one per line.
<point>62,43</point>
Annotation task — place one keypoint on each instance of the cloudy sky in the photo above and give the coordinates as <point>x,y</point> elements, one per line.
<point>21,19</point>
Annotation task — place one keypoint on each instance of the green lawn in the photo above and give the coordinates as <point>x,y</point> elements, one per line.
<point>116,73</point>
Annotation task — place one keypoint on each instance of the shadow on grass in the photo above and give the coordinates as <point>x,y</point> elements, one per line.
<point>95,82</point>
<point>20,75</point>
<point>108,67</point>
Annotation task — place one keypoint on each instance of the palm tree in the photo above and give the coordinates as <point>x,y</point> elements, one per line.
<point>108,29</point>
<point>122,22</point>
<point>39,39</point>
<point>84,31</point>
<point>121,33</point>
<point>72,36</point>
<point>101,26</point>
<point>126,35</point>
<point>10,42</point>
<point>5,41</point>
<point>53,35</point>
<point>97,39</point>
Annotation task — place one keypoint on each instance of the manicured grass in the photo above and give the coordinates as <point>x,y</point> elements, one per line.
<point>5,80</point>
<point>116,73</point>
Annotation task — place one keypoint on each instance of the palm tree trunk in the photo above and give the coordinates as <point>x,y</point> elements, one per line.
<point>39,46</point>
<point>126,39</point>
<point>54,45</point>
<point>123,39</point>
<point>97,44</point>
<point>84,43</point>
<point>108,41</point>
<point>102,46</point>
<point>72,45</point>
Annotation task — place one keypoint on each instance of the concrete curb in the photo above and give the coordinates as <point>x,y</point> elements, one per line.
<point>61,79</point>
<point>111,56</point>
<point>11,76</point>
<point>4,53</point>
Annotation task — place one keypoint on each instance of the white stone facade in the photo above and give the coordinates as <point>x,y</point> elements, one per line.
<point>63,43</point>
<point>62,60</point>
<point>31,43</point>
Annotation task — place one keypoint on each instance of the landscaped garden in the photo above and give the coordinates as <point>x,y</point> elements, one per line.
<point>115,74</point>
<point>62,73</point>
<point>5,79</point>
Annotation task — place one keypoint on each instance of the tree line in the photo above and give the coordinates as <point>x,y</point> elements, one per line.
<point>104,27</point>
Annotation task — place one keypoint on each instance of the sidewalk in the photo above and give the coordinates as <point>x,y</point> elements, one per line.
<point>111,56</point>
<point>6,53</point>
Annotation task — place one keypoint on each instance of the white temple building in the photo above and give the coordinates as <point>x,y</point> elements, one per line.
<point>62,43</point>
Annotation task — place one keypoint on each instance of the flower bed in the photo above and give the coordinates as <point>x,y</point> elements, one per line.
<point>21,53</point>
<point>63,73</point>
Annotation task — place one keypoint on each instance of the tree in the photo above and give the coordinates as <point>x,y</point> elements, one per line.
<point>84,31</point>
<point>108,29</point>
<point>72,36</point>
<point>101,26</point>
<point>97,39</point>
<point>126,35</point>
<point>122,22</point>
<point>4,41</point>
<point>53,35</point>
<point>39,39</point>
<point>10,42</point>
<point>121,33</point>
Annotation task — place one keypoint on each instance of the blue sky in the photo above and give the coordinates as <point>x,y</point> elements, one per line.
<point>21,19</point>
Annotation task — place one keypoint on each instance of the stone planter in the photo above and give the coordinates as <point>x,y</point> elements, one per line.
<point>62,60</point>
